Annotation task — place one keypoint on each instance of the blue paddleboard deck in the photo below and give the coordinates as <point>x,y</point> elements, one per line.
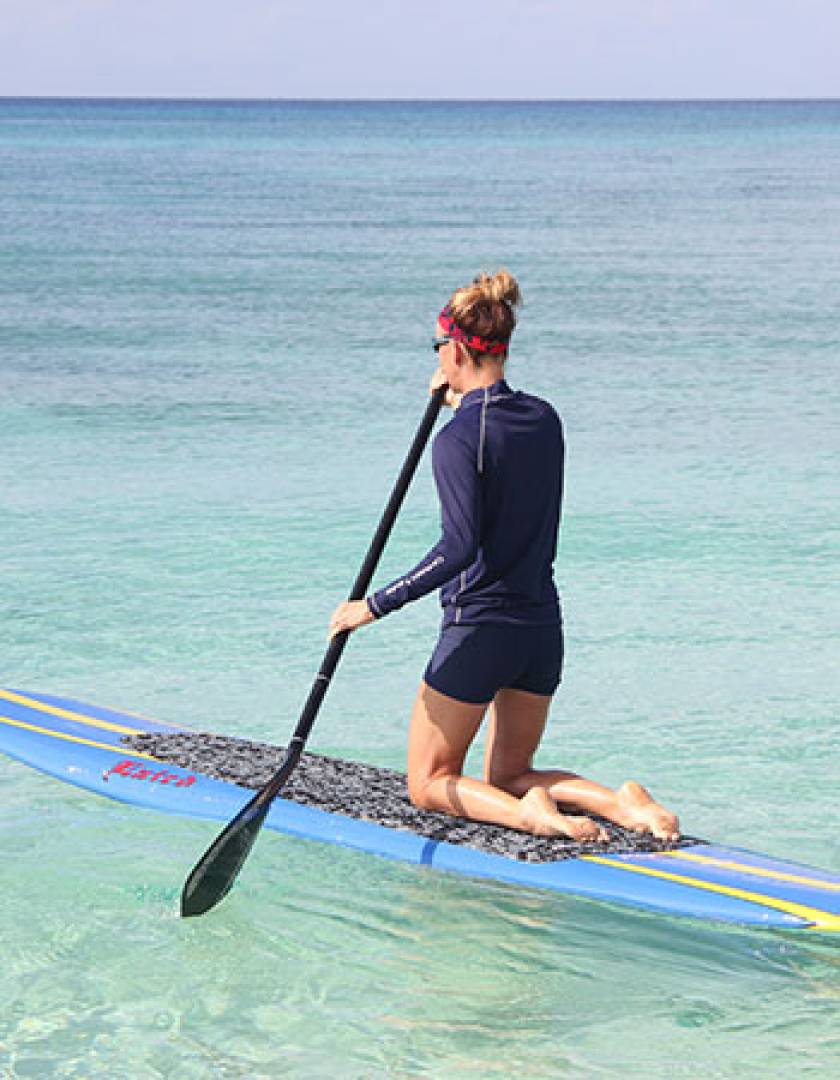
<point>109,752</point>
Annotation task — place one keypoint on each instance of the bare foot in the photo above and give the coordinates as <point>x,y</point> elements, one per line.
<point>641,812</point>
<point>541,817</point>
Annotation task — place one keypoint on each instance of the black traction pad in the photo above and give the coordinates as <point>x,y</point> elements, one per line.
<point>371,794</point>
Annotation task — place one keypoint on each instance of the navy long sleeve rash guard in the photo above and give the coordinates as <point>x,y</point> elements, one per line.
<point>498,467</point>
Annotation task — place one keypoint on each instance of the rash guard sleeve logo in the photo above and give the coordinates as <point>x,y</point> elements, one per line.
<point>418,575</point>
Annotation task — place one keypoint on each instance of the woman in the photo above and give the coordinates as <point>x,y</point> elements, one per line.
<point>498,466</point>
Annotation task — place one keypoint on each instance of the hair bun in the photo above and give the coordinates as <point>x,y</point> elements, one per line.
<point>486,307</point>
<point>501,286</point>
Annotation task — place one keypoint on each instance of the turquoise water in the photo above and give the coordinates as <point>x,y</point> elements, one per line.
<point>214,346</point>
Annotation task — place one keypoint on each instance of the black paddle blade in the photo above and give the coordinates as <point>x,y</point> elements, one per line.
<point>217,869</point>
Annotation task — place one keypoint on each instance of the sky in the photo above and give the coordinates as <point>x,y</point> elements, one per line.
<point>565,49</point>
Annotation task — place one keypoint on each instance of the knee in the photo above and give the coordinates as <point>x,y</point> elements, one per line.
<point>432,790</point>
<point>505,781</point>
<point>418,792</point>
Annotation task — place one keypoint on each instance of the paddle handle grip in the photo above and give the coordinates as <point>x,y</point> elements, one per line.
<point>360,586</point>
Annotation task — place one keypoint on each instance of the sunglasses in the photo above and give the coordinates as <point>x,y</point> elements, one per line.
<point>440,342</point>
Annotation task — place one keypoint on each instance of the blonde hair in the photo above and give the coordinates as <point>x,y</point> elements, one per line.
<point>486,307</point>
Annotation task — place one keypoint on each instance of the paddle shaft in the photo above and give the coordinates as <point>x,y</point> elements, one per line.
<point>215,872</point>
<point>359,590</point>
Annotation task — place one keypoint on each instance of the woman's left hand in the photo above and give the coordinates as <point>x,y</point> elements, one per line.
<point>350,616</point>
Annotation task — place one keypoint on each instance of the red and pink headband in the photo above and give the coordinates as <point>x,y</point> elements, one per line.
<point>472,341</point>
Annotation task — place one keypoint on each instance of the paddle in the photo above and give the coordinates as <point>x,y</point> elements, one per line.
<point>215,872</point>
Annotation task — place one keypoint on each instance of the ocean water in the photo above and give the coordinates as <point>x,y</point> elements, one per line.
<point>214,346</point>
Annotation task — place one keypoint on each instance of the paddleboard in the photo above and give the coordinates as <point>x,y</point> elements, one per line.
<point>96,748</point>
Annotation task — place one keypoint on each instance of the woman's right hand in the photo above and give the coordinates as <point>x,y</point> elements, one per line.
<point>452,399</point>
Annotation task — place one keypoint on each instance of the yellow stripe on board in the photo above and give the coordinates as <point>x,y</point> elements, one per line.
<point>823,920</point>
<point>66,714</point>
<point>126,753</point>
<point>757,871</point>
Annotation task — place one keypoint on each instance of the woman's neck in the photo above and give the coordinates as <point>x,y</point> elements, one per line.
<point>479,377</point>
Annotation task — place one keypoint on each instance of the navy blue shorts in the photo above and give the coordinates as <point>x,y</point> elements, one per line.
<point>472,663</point>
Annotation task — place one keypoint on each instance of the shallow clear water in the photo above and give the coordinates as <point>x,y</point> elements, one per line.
<point>214,328</point>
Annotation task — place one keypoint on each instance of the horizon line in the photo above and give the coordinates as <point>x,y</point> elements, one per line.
<point>141,98</point>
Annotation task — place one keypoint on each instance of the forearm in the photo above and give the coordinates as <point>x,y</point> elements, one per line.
<point>445,560</point>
